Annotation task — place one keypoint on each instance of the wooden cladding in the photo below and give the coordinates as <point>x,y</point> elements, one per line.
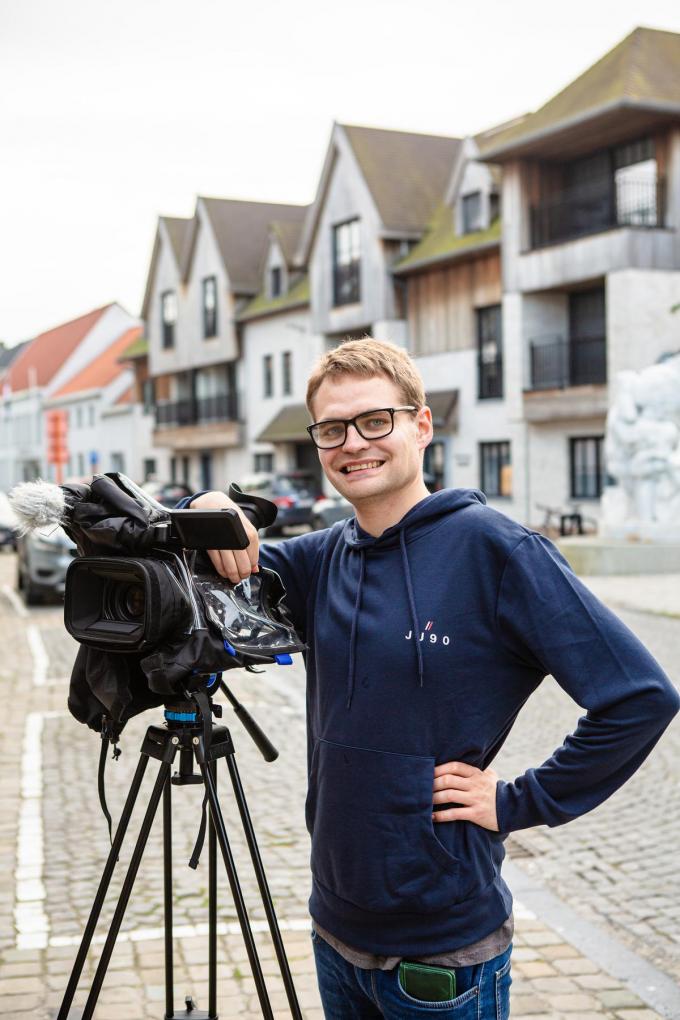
<point>442,303</point>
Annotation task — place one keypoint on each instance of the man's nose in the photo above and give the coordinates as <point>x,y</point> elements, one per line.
<point>354,440</point>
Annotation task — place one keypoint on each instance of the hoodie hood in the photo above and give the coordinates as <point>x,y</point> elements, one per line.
<point>416,522</point>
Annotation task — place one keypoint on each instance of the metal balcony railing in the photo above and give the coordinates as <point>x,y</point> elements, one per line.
<point>599,205</point>
<point>556,362</point>
<point>201,411</point>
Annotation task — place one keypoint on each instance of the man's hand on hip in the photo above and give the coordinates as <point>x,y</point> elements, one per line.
<point>473,790</point>
<point>234,564</point>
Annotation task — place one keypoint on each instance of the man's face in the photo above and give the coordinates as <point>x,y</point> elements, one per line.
<point>363,469</point>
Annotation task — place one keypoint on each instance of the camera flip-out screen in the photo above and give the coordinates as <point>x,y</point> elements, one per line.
<point>209,529</point>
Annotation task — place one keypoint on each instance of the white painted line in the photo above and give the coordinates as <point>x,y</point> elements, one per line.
<point>30,920</point>
<point>184,931</point>
<point>40,657</point>
<point>15,602</point>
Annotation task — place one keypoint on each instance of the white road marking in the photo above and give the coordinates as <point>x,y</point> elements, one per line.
<point>30,920</point>
<point>40,657</point>
<point>15,602</point>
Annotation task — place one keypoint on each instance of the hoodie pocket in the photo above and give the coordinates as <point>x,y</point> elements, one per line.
<point>373,840</point>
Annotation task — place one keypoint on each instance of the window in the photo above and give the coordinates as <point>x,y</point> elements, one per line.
<point>90,410</point>
<point>495,469</point>
<point>287,373</point>
<point>118,462</point>
<point>81,464</point>
<point>209,307</point>
<point>148,395</point>
<point>79,416</point>
<point>275,281</point>
<point>472,212</point>
<point>489,352</point>
<point>149,468</point>
<point>494,206</point>
<point>346,263</point>
<point>263,462</point>
<point>586,464</point>
<point>267,376</point>
<point>206,470</point>
<point>168,318</point>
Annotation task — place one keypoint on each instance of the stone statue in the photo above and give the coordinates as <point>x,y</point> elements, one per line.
<point>642,449</point>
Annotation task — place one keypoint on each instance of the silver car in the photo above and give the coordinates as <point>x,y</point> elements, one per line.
<point>43,557</point>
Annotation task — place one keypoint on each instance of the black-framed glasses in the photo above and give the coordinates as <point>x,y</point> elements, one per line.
<point>370,425</point>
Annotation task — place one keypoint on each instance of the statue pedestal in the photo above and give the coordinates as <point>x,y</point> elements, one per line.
<point>629,553</point>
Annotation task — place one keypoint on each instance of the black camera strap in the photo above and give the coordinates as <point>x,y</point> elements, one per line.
<point>106,743</point>
<point>203,702</point>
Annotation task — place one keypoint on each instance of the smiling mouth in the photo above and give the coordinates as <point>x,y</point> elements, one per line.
<point>349,469</point>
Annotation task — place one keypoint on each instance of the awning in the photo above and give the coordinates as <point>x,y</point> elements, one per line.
<point>444,407</point>
<point>288,426</point>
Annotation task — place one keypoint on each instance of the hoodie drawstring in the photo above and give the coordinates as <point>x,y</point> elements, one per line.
<point>412,604</point>
<point>353,635</point>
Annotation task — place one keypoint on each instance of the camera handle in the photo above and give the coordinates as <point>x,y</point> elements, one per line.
<point>184,732</point>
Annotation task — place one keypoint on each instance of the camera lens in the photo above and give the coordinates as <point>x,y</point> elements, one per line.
<point>124,601</point>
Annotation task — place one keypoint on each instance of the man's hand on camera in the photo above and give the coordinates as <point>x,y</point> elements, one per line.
<point>473,790</point>
<point>234,564</point>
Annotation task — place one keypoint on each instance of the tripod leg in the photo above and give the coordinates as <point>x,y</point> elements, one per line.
<point>167,898</point>
<point>212,909</point>
<point>264,888</point>
<point>100,973</point>
<point>103,887</point>
<point>239,903</point>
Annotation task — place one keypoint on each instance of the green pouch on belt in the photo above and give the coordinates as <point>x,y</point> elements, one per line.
<point>431,984</point>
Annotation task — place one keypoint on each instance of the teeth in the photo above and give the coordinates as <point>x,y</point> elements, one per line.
<point>361,467</point>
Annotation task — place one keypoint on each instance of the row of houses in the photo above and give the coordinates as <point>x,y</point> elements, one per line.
<point>523,268</point>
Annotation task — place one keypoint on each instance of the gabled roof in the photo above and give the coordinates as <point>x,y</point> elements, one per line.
<point>101,370</point>
<point>177,230</point>
<point>241,231</point>
<point>642,72</point>
<point>8,354</point>
<point>39,361</point>
<point>296,297</point>
<point>288,235</point>
<point>406,173</point>
<point>441,244</point>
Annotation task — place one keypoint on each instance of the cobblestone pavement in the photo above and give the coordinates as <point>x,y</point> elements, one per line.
<point>617,867</point>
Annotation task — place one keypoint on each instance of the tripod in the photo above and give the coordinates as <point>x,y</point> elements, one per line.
<point>190,731</point>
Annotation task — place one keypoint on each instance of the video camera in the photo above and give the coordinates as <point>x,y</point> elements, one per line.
<point>153,619</point>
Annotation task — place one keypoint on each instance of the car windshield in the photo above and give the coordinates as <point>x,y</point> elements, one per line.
<point>293,486</point>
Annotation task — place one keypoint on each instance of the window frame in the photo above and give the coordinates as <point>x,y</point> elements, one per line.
<point>500,447</point>
<point>346,272</point>
<point>286,373</point>
<point>167,325</point>
<point>275,282</point>
<point>209,314</point>
<point>487,392</point>
<point>468,227</point>
<point>600,467</point>
<point>267,375</point>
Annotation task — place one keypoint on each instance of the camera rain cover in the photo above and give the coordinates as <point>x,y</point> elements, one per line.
<point>249,616</point>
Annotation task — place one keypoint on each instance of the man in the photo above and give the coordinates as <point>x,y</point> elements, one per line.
<point>429,620</point>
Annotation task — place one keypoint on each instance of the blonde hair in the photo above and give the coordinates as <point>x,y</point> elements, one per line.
<point>368,358</point>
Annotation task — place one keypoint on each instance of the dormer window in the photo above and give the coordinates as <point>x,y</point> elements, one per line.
<point>275,281</point>
<point>494,206</point>
<point>346,263</point>
<point>168,318</point>
<point>209,307</point>
<point>472,212</point>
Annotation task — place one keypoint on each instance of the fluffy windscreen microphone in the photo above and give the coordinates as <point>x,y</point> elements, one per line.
<point>38,504</point>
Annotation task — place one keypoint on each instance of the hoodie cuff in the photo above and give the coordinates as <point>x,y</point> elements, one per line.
<point>515,807</point>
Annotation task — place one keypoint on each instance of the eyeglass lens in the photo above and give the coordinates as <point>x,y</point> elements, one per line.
<point>372,425</point>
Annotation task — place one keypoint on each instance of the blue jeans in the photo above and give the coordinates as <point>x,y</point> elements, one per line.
<point>350,993</point>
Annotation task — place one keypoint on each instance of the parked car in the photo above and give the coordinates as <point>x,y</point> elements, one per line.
<point>329,509</point>
<point>167,493</point>
<point>293,492</point>
<point>43,557</point>
<point>8,524</point>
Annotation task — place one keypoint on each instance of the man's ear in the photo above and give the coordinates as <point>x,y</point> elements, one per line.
<point>425,427</point>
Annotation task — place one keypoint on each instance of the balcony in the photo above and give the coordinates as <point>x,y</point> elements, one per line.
<point>567,378</point>
<point>597,206</point>
<point>556,363</point>
<point>202,411</point>
<point>201,423</point>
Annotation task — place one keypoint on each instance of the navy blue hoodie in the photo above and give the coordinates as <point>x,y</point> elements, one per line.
<point>423,645</point>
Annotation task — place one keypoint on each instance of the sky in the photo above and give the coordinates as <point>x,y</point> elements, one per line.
<point>112,114</point>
